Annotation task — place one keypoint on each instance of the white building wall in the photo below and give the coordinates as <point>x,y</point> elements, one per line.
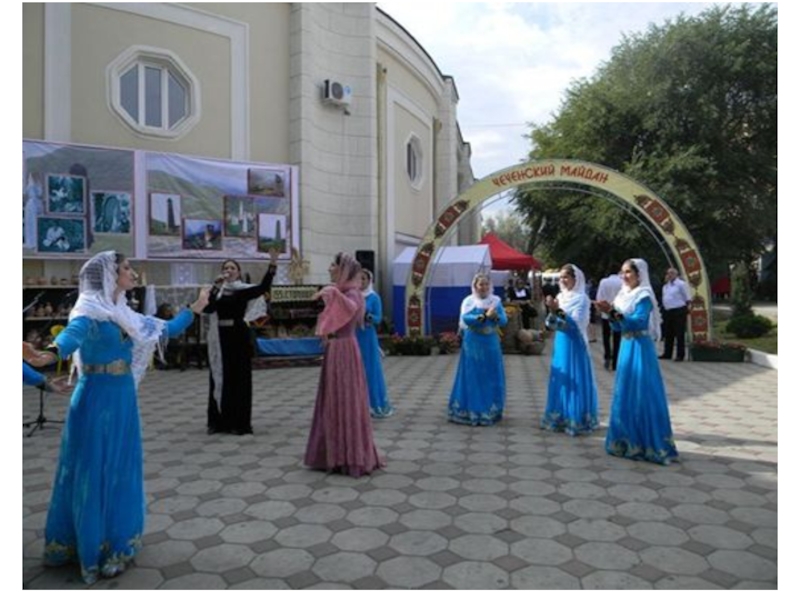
<point>336,150</point>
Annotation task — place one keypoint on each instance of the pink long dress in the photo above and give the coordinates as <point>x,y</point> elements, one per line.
<point>341,432</point>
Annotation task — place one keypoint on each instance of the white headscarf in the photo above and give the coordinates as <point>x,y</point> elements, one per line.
<point>369,289</point>
<point>628,298</point>
<point>575,302</point>
<point>98,284</point>
<point>256,308</point>
<point>474,300</point>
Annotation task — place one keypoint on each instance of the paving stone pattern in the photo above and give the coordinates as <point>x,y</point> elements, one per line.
<point>509,506</point>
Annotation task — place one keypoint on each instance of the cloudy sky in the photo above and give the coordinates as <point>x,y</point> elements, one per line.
<point>513,61</point>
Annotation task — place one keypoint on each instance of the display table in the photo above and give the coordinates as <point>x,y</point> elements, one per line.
<point>308,346</point>
<point>277,353</point>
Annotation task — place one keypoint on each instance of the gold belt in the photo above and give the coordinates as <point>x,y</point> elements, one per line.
<point>635,334</point>
<point>118,367</point>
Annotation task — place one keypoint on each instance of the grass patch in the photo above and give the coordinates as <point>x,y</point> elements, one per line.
<point>767,343</point>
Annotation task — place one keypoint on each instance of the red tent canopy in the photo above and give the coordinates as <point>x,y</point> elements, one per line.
<point>505,258</point>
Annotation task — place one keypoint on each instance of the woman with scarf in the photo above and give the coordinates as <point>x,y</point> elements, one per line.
<point>96,515</point>
<point>479,390</point>
<point>367,336</point>
<point>571,393</point>
<point>639,426</point>
<point>232,304</point>
<point>341,438</point>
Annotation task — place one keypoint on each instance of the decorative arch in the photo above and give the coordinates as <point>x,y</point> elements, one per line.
<point>628,191</point>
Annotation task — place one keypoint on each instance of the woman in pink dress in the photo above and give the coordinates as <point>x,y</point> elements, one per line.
<point>341,432</point>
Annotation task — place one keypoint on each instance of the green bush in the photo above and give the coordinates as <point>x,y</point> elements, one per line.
<point>749,326</point>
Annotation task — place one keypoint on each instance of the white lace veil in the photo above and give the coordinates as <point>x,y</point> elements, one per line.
<point>628,298</point>
<point>98,284</point>
<point>572,301</point>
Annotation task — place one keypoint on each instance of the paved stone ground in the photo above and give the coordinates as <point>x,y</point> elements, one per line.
<point>509,506</point>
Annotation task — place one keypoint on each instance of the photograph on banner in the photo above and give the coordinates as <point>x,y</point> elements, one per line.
<point>111,212</point>
<point>202,234</point>
<point>165,214</point>
<point>272,234</point>
<point>225,209</point>
<point>240,216</point>
<point>266,182</point>
<point>61,235</point>
<point>66,195</point>
<point>76,200</point>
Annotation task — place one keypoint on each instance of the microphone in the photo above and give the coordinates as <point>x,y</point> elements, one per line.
<point>219,279</point>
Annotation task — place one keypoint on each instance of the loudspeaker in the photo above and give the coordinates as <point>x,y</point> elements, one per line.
<point>367,260</point>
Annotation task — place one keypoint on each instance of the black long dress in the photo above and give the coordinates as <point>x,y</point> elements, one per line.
<point>236,349</point>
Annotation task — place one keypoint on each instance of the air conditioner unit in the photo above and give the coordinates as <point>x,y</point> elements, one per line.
<point>337,93</point>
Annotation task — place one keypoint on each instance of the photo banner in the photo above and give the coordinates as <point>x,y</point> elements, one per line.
<point>79,200</point>
<point>200,208</point>
<point>76,200</point>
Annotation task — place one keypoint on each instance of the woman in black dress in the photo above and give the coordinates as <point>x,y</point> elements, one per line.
<point>232,304</point>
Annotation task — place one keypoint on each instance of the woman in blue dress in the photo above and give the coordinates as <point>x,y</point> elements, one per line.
<point>479,391</point>
<point>367,336</point>
<point>639,426</point>
<point>96,514</point>
<point>571,393</point>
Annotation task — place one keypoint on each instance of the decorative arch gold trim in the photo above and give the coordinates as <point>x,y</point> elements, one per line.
<point>633,193</point>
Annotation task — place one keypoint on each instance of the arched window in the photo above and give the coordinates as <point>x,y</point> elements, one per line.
<point>153,92</point>
<point>414,162</point>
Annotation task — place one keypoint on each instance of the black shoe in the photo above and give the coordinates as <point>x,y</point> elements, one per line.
<point>678,359</point>
<point>606,364</point>
<point>212,430</point>
<point>663,357</point>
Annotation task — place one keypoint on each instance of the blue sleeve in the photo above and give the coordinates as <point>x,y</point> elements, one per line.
<point>72,336</point>
<point>31,376</point>
<point>555,323</point>
<point>178,324</point>
<point>374,308</point>
<point>471,318</point>
<point>502,318</point>
<point>639,319</point>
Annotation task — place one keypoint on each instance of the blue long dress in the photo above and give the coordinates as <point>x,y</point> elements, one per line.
<point>479,390</point>
<point>639,426</point>
<point>96,514</point>
<point>379,404</point>
<point>571,392</point>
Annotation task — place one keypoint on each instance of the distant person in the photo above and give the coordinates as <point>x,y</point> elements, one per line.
<point>519,295</point>
<point>639,426</point>
<point>676,300</point>
<point>607,290</point>
<point>479,391</point>
<point>591,292</point>
<point>367,336</point>
<point>571,391</point>
<point>341,438</point>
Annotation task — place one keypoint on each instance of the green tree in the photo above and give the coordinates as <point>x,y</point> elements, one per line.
<point>509,227</point>
<point>688,108</point>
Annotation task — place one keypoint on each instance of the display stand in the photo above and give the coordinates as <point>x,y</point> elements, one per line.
<point>287,337</point>
<point>41,419</point>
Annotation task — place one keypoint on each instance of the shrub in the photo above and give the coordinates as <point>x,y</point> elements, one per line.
<point>448,342</point>
<point>406,345</point>
<point>749,326</point>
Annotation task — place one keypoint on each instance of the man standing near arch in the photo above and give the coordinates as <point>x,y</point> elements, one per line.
<point>607,290</point>
<point>675,299</point>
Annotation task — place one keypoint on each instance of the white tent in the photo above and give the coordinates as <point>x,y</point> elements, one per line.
<point>452,270</point>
